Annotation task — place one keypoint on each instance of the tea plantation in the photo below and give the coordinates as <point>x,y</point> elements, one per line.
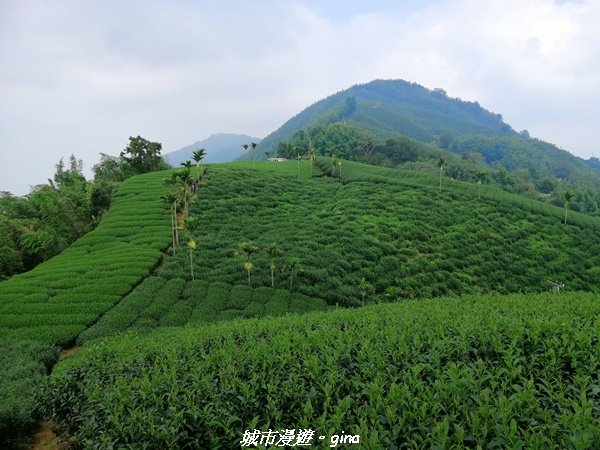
<point>520,371</point>
<point>52,304</point>
<point>391,231</point>
<point>180,358</point>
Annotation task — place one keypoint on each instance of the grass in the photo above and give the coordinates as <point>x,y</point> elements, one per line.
<point>516,371</point>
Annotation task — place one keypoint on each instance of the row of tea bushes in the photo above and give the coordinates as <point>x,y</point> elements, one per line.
<point>159,302</point>
<point>405,240</point>
<point>520,371</point>
<point>53,303</point>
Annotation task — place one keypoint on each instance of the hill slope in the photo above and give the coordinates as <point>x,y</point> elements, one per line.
<point>389,108</point>
<point>52,304</point>
<point>507,372</point>
<point>220,147</point>
<point>362,234</point>
<point>392,228</point>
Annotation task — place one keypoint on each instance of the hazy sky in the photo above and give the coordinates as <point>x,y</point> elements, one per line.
<point>81,76</point>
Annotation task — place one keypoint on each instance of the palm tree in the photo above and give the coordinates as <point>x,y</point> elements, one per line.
<point>480,177</point>
<point>568,197</point>
<point>245,149</point>
<point>184,182</point>
<point>312,155</point>
<point>198,156</point>
<point>273,251</point>
<point>293,267</point>
<point>171,200</point>
<point>253,145</point>
<point>364,288</point>
<point>192,247</point>
<point>440,164</point>
<point>244,251</point>
<point>248,266</point>
<point>187,164</point>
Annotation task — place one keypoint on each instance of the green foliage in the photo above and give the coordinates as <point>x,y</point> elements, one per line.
<point>393,122</point>
<point>142,156</point>
<point>23,367</point>
<point>477,372</point>
<point>56,301</point>
<point>158,302</point>
<point>391,227</point>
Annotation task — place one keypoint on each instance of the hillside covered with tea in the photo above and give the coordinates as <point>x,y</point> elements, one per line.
<point>280,239</point>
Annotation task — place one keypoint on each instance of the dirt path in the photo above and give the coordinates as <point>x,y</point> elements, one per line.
<point>45,439</point>
<point>68,352</point>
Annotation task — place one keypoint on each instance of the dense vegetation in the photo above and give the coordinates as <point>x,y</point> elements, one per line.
<point>501,167</point>
<point>383,235</point>
<point>476,372</point>
<point>51,304</point>
<point>395,123</point>
<point>389,108</point>
<point>158,302</point>
<point>52,216</point>
<point>267,239</point>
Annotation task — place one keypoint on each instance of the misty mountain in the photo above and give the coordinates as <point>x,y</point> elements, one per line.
<point>220,147</point>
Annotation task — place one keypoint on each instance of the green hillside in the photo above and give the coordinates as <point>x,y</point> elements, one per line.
<point>52,304</point>
<point>476,372</point>
<point>394,108</point>
<point>394,229</point>
<point>384,235</point>
<point>349,235</point>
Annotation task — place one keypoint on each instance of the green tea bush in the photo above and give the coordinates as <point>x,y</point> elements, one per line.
<point>23,366</point>
<point>477,372</point>
<point>239,297</point>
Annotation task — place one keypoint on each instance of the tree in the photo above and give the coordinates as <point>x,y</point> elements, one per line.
<point>192,247</point>
<point>293,267</point>
<point>273,251</point>
<point>312,156</point>
<point>248,266</point>
<point>171,200</point>
<point>191,225</point>
<point>187,164</point>
<point>440,164</point>
<point>480,177</point>
<point>364,288</point>
<point>568,197</point>
<point>143,156</point>
<point>181,181</point>
<point>198,156</point>
<point>245,146</point>
<point>245,251</point>
<point>253,145</point>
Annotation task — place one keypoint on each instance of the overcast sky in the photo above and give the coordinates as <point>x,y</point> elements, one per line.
<point>81,76</point>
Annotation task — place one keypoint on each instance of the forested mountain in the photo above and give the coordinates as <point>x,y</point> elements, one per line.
<point>399,124</point>
<point>220,147</point>
<point>389,108</point>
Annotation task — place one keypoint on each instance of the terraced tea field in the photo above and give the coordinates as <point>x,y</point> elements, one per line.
<point>517,371</point>
<point>175,360</point>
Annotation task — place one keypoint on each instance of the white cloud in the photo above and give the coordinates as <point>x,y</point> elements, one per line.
<point>82,76</point>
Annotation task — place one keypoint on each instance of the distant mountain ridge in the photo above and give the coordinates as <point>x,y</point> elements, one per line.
<point>220,147</point>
